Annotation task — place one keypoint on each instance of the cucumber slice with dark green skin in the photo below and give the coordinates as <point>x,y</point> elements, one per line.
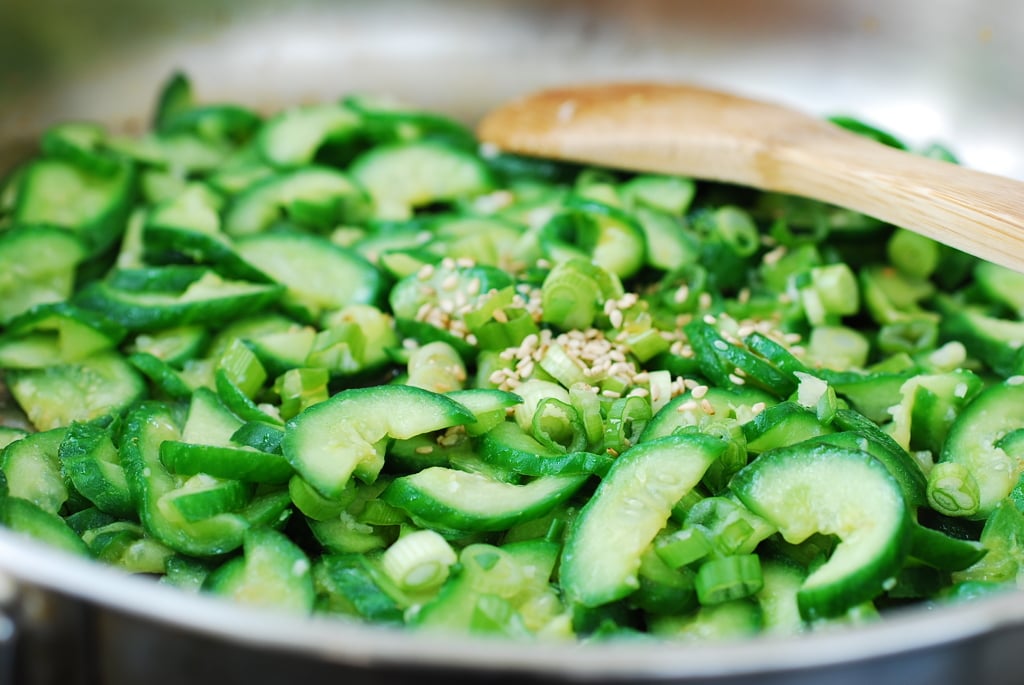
<point>273,571</point>
<point>55,396</point>
<point>94,206</point>
<point>91,461</point>
<point>239,463</point>
<point>807,489</point>
<point>895,459</point>
<point>319,198</point>
<point>347,434</point>
<point>342,276</point>
<point>508,446</point>
<point>633,502</point>
<point>76,332</point>
<point>292,137</point>
<point>26,280</point>
<point>404,176</point>
<point>452,500</point>
<point>721,405</point>
<point>206,298</point>
<point>26,518</point>
<point>32,470</point>
<point>149,480</point>
<point>783,424</point>
<point>971,442</point>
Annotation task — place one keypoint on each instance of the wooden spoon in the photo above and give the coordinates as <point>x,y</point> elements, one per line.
<point>692,131</point>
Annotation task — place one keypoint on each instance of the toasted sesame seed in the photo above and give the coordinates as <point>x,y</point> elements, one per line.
<point>736,380</point>
<point>424,449</point>
<point>688,405</point>
<point>707,407</point>
<point>699,391</point>
<point>771,258</point>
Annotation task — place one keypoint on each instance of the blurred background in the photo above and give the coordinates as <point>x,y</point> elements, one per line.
<point>928,70</point>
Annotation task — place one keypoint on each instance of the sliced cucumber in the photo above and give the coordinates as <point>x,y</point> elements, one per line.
<point>27,280</point>
<point>452,500</point>
<point>342,276</point>
<point>292,137</point>
<point>95,206</point>
<point>33,471</point>
<point>807,489</point>
<point>971,443</point>
<point>320,198</point>
<point>55,396</point>
<point>634,501</point>
<point>402,177</point>
<point>273,571</point>
<point>204,298</point>
<point>345,435</point>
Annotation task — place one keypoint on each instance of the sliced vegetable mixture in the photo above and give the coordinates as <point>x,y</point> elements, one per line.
<point>340,360</point>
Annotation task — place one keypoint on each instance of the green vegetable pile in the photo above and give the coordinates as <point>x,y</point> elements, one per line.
<point>343,360</point>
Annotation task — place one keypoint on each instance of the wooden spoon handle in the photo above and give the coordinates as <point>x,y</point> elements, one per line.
<point>702,133</point>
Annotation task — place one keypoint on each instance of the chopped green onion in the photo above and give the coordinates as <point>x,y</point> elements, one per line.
<point>419,561</point>
<point>556,425</point>
<point>585,401</point>
<point>838,347</point>
<point>561,366</point>
<point>912,253</point>
<point>301,388</point>
<point>627,418</point>
<point>728,578</point>
<point>243,367</point>
<point>952,490</point>
<point>437,367</point>
<point>683,547</point>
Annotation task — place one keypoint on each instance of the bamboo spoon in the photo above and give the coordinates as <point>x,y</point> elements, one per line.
<point>692,131</point>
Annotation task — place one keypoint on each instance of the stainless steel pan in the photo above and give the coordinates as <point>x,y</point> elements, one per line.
<point>927,69</point>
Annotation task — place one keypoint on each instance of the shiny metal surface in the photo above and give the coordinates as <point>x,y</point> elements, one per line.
<point>926,69</point>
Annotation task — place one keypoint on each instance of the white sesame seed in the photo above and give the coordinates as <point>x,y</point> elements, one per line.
<point>771,258</point>
<point>688,405</point>
<point>699,391</point>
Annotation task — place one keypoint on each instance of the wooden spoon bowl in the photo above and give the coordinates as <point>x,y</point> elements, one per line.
<point>701,133</point>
